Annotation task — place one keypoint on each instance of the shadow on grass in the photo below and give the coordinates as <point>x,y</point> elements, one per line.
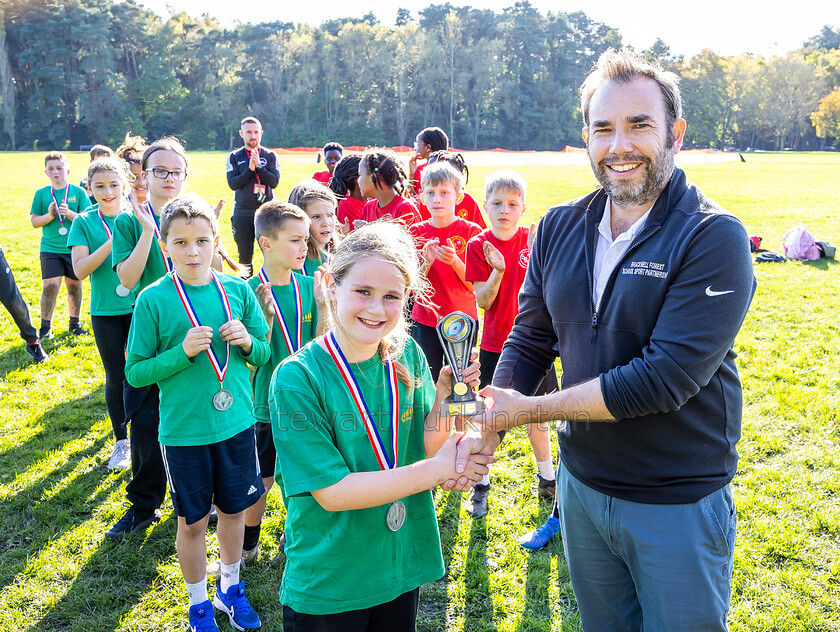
<point>115,578</point>
<point>434,597</point>
<point>536,614</point>
<point>820,264</point>
<point>478,606</point>
<point>567,602</point>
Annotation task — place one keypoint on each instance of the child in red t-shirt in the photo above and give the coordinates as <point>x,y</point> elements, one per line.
<point>467,208</point>
<point>382,177</point>
<point>496,263</point>
<point>332,154</point>
<point>442,241</point>
<point>345,185</point>
<point>429,140</point>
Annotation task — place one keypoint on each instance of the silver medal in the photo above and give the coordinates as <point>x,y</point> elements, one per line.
<point>62,231</point>
<point>222,400</point>
<point>395,518</point>
<point>122,291</point>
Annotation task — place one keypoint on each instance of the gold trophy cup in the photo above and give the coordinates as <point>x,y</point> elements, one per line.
<point>457,333</point>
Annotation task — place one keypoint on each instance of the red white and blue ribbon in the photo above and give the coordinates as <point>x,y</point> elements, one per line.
<point>370,429</point>
<point>281,320</point>
<point>166,260</point>
<point>104,223</point>
<point>55,201</point>
<point>185,301</point>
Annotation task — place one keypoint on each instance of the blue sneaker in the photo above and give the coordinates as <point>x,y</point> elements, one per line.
<point>538,538</point>
<point>202,618</point>
<point>235,605</point>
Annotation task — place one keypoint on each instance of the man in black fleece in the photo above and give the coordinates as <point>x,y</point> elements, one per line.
<point>253,174</point>
<point>643,286</point>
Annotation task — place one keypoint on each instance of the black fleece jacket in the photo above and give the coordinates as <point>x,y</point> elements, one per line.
<point>661,343</point>
<point>242,180</point>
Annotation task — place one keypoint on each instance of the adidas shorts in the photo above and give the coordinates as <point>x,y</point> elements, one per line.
<point>225,474</point>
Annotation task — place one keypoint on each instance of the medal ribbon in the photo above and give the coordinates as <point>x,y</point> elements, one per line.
<point>278,314</point>
<point>55,201</point>
<point>350,382</point>
<point>104,223</point>
<point>166,260</point>
<point>248,153</point>
<point>185,301</point>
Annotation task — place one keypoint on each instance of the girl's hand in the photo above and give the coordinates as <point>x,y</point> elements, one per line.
<point>412,164</point>
<point>444,461</point>
<point>217,211</point>
<point>197,340</point>
<point>263,292</point>
<point>532,234</point>
<point>234,332</point>
<point>141,212</point>
<point>494,258</point>
<point>472,374</point>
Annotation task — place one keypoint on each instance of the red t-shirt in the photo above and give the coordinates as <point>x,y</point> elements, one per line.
<point>322,176</point>
<point>415,180</point>
<point>448,292</point>
<point>398,208</point>
<point>349,209</point>
<point>498,320</point>
<point>467,209</point>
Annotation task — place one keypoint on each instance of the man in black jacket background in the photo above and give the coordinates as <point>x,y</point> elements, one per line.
<point>253,174</point>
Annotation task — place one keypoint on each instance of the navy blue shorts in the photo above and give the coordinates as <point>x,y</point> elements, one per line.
<point>225,473</point>
<point>266,451</point>
<point>54,264</point>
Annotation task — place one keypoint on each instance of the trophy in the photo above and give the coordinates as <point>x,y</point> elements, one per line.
<point>457,333</point>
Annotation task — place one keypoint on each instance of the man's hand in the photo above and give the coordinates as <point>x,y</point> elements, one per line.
<point>494,258</point>
<point>255,159</point>
<point>505,408</point>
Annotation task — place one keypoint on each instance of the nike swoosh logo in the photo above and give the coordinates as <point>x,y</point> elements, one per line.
<point>711,292</point>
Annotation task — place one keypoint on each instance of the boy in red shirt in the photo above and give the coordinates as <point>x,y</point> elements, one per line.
<point>496,263</point>
<point>442,241</point>
<point>332,154</point>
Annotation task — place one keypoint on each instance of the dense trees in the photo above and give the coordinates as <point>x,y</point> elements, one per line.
<point>76,72</point>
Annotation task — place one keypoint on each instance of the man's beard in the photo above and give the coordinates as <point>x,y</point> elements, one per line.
<point>656,176</point>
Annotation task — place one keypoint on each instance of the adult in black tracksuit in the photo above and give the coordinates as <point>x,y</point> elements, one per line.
<point>253,174</point>
<point>19,311</point>
<point>643,286</point>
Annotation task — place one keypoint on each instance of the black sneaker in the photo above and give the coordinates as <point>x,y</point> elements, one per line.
<point>36,351</point>
<point>45,334</point>
<point>77,330</point>
<point>477,506</point>
<point>131,523</point>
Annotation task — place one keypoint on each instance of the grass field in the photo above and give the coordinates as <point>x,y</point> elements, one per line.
<point>56,498</point>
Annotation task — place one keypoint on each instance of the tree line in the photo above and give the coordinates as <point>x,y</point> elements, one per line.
<point>76,72</point>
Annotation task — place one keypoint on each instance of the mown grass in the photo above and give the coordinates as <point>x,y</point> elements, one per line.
<point>57,572</point>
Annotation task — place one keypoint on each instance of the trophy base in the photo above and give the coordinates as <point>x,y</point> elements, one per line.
<point>470,408</point>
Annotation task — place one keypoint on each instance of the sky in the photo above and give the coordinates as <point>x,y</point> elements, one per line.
<point>728,27</point>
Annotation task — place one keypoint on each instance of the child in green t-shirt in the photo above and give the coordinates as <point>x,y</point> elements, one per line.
<point>294,310</point>
<point>319,203</point>
<point>90,240</point>
<point>54,208</point>
<point>360,442</point>
<point>137,259</point>
<point>193,333</point>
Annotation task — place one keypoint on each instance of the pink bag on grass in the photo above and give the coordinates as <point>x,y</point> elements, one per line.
<point>798,243</point>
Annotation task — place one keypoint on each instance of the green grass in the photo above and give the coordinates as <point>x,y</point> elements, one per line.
<point>56,498</point>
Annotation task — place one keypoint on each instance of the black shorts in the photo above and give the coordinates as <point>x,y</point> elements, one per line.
<point>223,473</point>
<point>266,452</point>
<point>55,264</point>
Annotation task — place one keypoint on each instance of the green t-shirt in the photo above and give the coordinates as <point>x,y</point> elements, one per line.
<point>187,385</point>
<point>311,265</point>
<point>348,560</point>
<point>126,235</point>
<point>279,351</point>
<point>51,238</point>
<point>88,231</point>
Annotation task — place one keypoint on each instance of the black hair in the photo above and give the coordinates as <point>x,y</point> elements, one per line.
<point>435,137</point>
<point>456,160</point>
<point>345,174</point>
<point>333,146</point>
<point>385,169</point>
